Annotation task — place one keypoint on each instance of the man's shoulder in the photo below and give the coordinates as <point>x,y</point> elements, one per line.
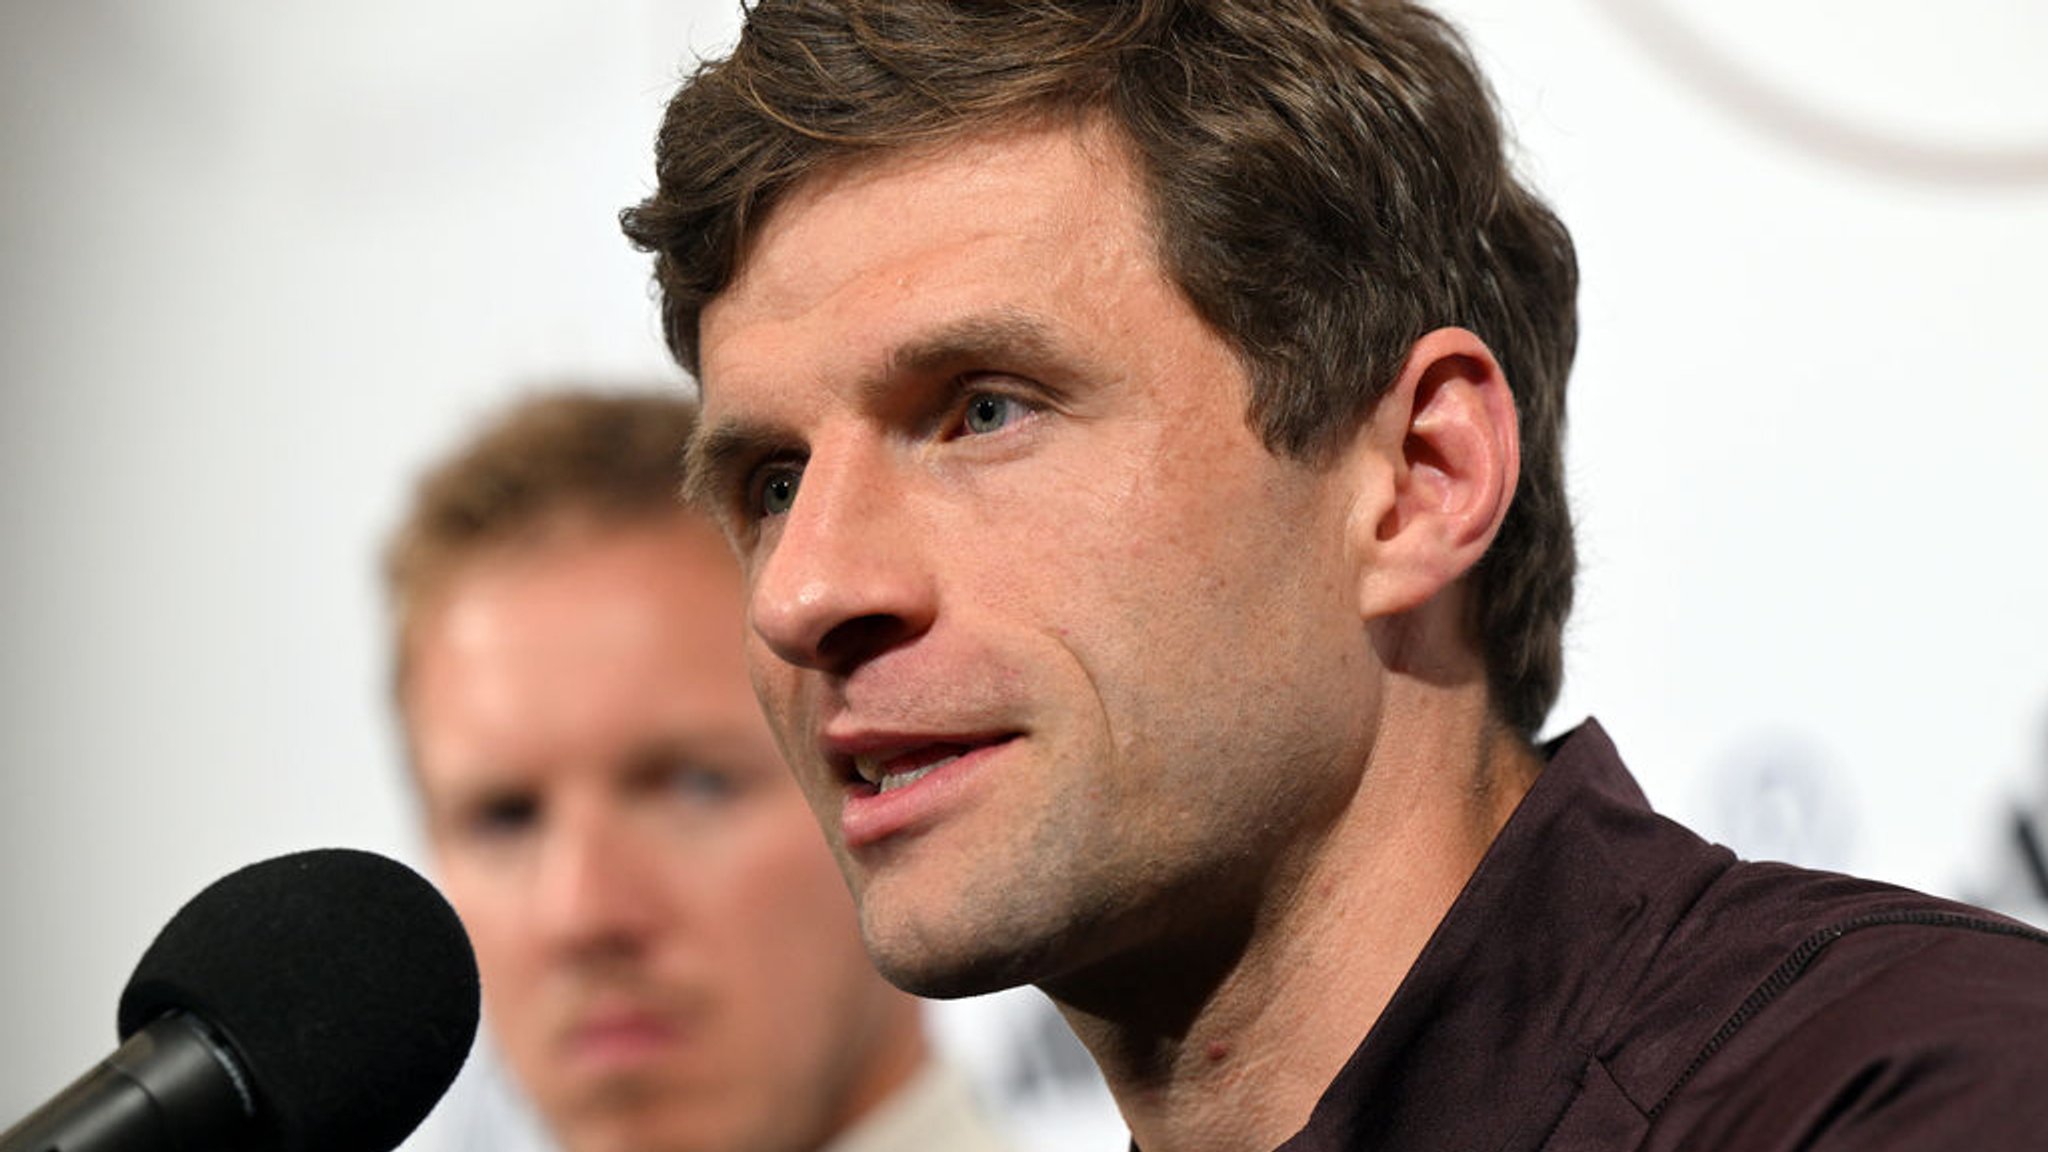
<point>937,1108</point>
<point>1783,926</point>
<point>1724,1004</point>
<point>1837,964</point>
<point>1831,1011</point>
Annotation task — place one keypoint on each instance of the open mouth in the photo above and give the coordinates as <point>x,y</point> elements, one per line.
<point>888,771</point>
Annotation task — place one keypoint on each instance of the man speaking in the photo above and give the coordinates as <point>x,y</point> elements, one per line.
<point>1140,428</point>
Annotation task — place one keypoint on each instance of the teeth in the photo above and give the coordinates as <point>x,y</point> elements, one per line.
<point>901,779</point>
<point>875,773</point>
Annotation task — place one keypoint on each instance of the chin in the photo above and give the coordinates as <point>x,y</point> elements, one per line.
<point>974,963</point>
<point>664,1111</point>
<point>624,1113</point>
<point>653,1131</point>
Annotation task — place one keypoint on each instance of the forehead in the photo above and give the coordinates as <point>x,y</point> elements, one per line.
<point>582,633</point>
<point>661,589</point>
<point>989,233</point>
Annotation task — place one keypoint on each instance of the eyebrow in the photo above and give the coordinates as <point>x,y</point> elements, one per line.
<point>1005,334</point>
<point>715,452</point>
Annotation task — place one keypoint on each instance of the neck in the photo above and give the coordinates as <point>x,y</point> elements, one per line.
<point>1231,1053</point>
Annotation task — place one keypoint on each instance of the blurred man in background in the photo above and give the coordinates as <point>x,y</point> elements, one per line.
<point>670,960</point>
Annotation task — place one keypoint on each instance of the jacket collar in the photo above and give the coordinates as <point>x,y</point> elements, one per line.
<point>1491,1031</point>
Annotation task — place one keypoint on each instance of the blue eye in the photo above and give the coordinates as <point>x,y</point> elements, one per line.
<point>988,412</point>
<point>697,785</point>
<point>775,490</point>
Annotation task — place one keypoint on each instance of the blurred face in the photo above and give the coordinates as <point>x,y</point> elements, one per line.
<point>1068,664</point>
<point>669,958</point>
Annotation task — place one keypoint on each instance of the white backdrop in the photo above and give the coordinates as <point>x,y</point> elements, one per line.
<point>262,260</point>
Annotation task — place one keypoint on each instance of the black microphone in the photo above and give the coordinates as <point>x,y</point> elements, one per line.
<point>318,1002</point>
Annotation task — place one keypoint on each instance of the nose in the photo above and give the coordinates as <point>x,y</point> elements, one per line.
<point>846,577</point>
<point>593,898</point>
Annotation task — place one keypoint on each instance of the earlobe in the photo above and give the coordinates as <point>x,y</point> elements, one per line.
<point>1445,441</point>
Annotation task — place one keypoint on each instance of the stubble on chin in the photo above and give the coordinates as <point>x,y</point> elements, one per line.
<point>609,1114</point>
<point>981,935</point>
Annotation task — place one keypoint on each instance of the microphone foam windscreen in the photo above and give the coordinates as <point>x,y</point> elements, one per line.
<point>343,980</point>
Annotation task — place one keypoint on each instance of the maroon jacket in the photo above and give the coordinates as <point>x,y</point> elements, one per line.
<point>1608,980</point>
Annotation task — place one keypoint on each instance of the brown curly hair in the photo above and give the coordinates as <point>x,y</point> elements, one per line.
<point>1328,179</point>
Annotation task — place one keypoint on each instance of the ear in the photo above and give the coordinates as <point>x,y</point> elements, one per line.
<point>1444,449</point>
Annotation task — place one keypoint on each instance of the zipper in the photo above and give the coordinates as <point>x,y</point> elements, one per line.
<point>1794,966</point>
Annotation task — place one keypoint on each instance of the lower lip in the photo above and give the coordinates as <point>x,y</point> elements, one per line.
<point>869,817</point>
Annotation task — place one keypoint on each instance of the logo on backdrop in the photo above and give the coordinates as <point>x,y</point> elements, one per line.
<point>1779,796</point>
<point>2016,882</point>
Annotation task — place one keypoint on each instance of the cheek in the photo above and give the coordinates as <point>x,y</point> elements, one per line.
<point>777,689</point>
<point>796,938</point>
<point>805,1001</point>
<point>509,958</point>
<point>809,874</point>
<point>491,906</point>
